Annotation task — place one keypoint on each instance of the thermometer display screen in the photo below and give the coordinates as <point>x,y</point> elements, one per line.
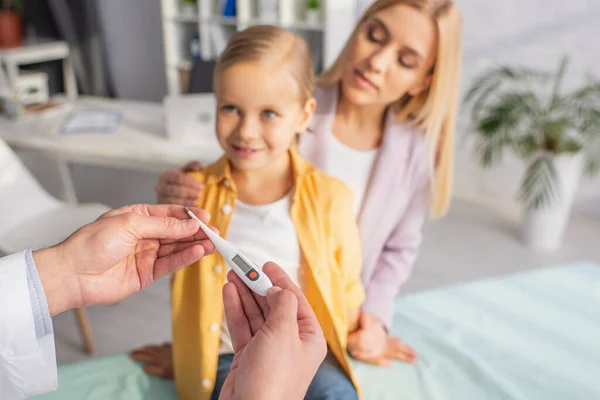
<point>242,264</point>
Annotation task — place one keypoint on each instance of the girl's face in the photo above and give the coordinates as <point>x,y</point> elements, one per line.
<point>391,55</point>
<point>259,113</point>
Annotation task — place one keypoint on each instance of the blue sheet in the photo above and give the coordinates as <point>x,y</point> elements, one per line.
<point>533,335</point>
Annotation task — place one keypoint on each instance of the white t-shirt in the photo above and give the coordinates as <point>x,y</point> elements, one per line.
<point>353,167</point>
<point>264,233</point>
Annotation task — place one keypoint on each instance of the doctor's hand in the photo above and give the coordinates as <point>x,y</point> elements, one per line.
<point>176,187</point>
<point>277,340</point>
<point>121,253</point>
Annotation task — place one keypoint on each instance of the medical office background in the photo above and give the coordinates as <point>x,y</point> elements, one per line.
<point>126,47</point>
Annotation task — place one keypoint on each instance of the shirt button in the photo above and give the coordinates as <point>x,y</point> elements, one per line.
<point>226,183</point>
<point>206,383</point>
<point>214,327</point>
<point>218,269</point>
<point>226,209</point>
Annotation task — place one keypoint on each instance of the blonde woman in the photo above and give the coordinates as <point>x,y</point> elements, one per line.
<point>384,125</point>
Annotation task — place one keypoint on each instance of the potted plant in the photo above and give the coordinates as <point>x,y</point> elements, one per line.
<point>556,133</point>
<point>189,8</point>
<point>313,12</point>
<point>11,31</point>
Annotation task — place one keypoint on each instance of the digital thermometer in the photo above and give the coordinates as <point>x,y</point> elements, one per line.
<point>247,270</point>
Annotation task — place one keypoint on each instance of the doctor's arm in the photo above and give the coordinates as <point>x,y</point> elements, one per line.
<point>121,253</point>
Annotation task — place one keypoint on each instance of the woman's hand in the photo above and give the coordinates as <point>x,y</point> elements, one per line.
<point>175,187</point>
<point>372,344</point>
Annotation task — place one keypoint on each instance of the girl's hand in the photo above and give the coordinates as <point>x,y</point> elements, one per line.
<point>372,344</point>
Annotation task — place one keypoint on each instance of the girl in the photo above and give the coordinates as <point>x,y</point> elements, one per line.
<point>384,125</point>
<point>273,205</point>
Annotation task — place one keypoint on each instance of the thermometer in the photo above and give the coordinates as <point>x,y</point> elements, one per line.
<point>247,270</point>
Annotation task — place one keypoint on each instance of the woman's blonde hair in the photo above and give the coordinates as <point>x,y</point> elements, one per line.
<point>434,110</point>
<point>273,47</point>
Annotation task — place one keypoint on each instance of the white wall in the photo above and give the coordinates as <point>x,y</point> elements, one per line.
<point>523,32</point>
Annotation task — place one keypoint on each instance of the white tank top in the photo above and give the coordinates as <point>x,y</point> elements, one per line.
<point>264,233</point>
<point>353,167</point>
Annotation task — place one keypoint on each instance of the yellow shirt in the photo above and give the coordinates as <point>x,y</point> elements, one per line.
<point>329,241</point>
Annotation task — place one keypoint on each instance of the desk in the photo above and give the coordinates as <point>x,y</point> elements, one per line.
<point>140,142</point>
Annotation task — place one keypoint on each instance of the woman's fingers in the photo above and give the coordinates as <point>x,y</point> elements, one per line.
<point>358,347</point>
<point>171,194</point>
<point>178,178</point>
<point>397,350</point>
<point>381,361</point>
<point>176,187</point>
<point>193,166</point>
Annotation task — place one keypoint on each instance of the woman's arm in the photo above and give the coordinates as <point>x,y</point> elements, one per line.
<point>176,187</point>
<point>395,262</point>
<point>371,342</point>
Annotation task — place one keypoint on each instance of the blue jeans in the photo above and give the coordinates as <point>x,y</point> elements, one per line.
<point>330,382</point>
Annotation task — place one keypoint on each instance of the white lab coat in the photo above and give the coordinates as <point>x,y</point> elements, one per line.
<point>27,365</point>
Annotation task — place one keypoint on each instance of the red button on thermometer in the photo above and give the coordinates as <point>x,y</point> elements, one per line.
<point>247,270</point>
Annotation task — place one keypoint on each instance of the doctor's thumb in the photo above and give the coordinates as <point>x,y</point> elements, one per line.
<point>283,305</point>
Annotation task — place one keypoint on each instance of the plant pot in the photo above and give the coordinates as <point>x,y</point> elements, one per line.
<point>543,229</point>
<point>313,16</point>
<point>268,11</point>
<point>11,32</point>
<point>188,9</point>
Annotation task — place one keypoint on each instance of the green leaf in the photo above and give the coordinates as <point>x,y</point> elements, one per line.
<point>508,112</point>
<point>587,93</point>
<point>491,124</point>
<point>525,146</point>
<point>555,129</point>
<point>592,167</point>
<point>524,74</point>
<point>481,100</point>
<point>481,86</point>
<point>503,74</point>
<point>578,103</point>
<point>11,5</point>
<point>539,187</point>
<point>569,146</point>
<point>590,122</point>
<point>560,75</point>
<point>490,152</point>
